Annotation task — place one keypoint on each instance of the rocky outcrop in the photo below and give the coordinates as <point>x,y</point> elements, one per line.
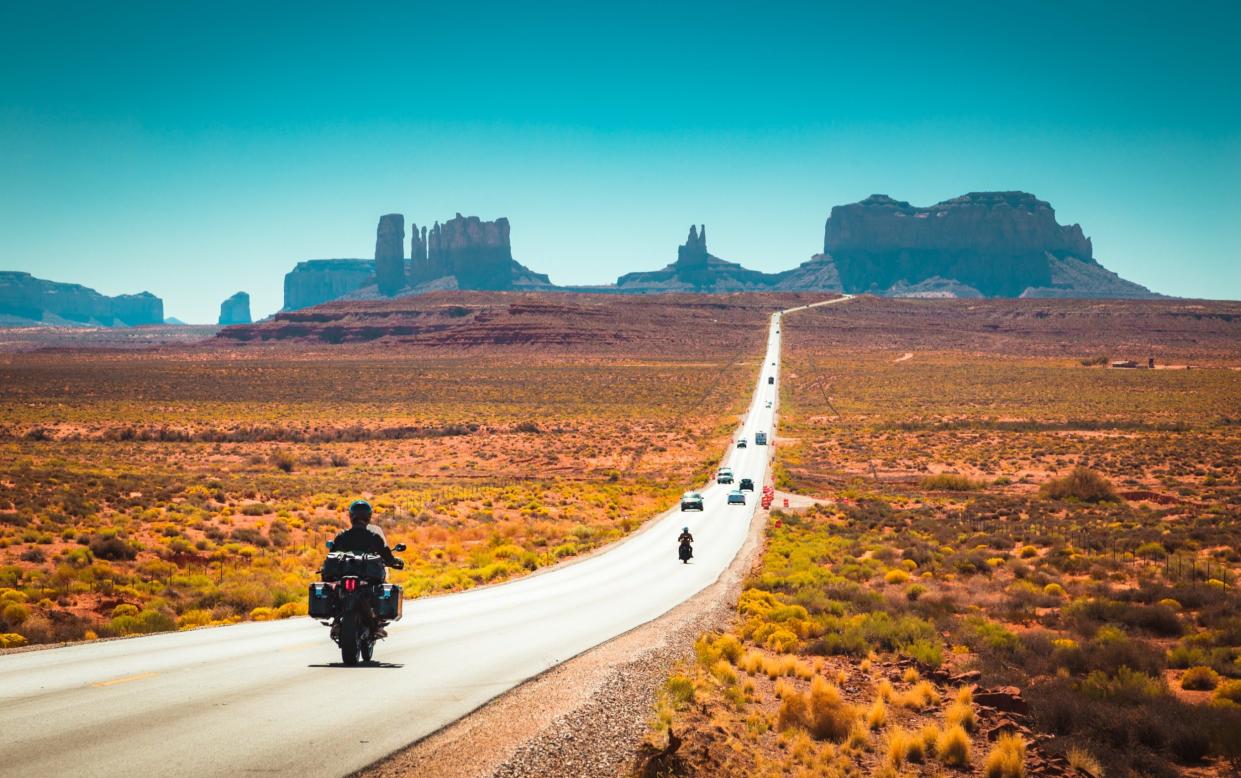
<point>993,244</point>
<point>133,310</point>
<point>692,255</point>
<point>317,281</point>
<point>695,270</point>
<point>1071,277</point>
<point>475,252</point>
<point>390,254</point>
<point>983,244</point>
<point>25,299</point>
<point>817,275</point>
<point>235,310</point>
<point>417,255</point>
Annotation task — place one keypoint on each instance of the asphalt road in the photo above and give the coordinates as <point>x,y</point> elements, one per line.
<point>272,697</point>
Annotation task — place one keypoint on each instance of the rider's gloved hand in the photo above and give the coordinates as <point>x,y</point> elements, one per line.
<point>400,564</point>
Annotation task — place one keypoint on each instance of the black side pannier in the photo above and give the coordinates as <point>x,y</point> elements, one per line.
<point>345,563</point>
<point>388,599</point>
<point>322,600</point>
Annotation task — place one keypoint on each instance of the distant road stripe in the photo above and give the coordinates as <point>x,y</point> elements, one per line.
<point>126,679</point>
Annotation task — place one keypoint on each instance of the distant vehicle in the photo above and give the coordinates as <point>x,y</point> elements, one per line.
<point>771,379</point>
<point>760,438</point>
<point>741,443</point>
<point>725,476</point>
<point>735,497</point>
<point>769,403</point>
<point>691,501</point>
<point>746,485</point>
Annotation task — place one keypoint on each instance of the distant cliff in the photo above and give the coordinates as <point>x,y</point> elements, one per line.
<point>25,299</point>
<point>474,252</point>
<point>235,310</point>
<point>983,244</point>
<point>464,252</point>
<point>317,281</point>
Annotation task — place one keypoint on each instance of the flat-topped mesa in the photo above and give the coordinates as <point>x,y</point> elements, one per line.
<point>390,254</point>
<point>25,299</point>
<point>317,281</point>
<point>1007,221</point>
<point>235,310</point>
<point>995,242</point>
<point>475,252</point>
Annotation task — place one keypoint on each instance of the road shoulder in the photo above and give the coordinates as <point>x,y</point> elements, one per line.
<point>585,717</point>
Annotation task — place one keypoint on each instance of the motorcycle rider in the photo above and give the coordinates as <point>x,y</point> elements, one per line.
<point>366,538</point>
<point>686,540</point>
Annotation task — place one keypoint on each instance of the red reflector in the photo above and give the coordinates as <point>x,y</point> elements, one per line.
<point>351,584</point>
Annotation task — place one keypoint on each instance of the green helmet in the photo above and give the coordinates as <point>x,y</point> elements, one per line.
<point>359,511</point>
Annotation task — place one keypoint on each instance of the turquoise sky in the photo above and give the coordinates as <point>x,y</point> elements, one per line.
<point>194,149</point>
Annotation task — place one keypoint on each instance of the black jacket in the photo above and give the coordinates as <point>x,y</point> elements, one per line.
<point>685,538</point>
<point>365,540</point>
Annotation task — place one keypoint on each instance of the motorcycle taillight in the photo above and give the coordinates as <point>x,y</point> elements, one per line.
<point>351,584</point>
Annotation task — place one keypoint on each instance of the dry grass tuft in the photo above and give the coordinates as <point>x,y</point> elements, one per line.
<point>1007,758</point>
<point>953,746</point>
<point>877,716</point>
<point>821,710</point>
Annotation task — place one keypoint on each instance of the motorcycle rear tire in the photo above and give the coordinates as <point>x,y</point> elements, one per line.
<point>350,638</point>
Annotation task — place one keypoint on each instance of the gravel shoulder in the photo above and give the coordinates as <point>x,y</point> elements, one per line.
<point>587,716</point>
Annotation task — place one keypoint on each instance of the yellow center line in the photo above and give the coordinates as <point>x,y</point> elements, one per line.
<point>126,679</point>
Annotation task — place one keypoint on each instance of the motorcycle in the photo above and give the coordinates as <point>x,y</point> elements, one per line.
<point>354,600</point>
<point>687,551</point>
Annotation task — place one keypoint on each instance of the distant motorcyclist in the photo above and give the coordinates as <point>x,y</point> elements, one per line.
<point>686,550</point>
<point>685,537</point>
<point>366,538</point>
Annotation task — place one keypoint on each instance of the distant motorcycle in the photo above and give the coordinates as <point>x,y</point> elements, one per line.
<point>687,551</point>
<point>354,601</point>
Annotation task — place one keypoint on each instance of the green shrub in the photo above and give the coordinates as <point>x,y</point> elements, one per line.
<point>950,482</point>
<point>1127,687</point>
<point>927,652</point>
<point>1200,679</point>
<point>1228,694</point>
<point>1082,484</point>
<point>982,634</point>
<point>680,690</point>
<point>15,614</point>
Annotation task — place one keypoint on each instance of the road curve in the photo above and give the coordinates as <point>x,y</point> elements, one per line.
<point>271,697</point>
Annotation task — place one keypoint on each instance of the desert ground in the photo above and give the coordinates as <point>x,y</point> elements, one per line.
<point>168,488</point>
<point>1026,564</point>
